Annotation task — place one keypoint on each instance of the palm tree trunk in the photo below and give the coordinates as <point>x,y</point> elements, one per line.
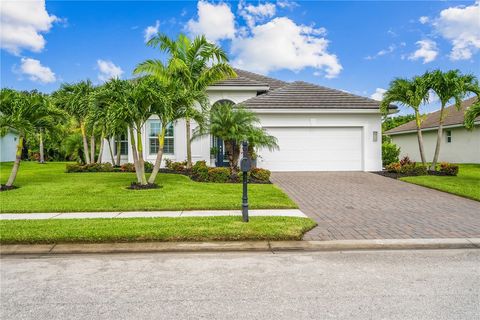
<point>141,161</point>
<point>119,151</point>
<point>42,155</point>
<point>439,139</point>
<point>134,154</point>
<point>158,160</point>
<point>100,151</point>
<point>189,143</point>
<point>111,151</point>
<point>92,148</point>
<point>420,137</point>
<point>233,153</point>
<point>16,164</point>
<point>85,143</point>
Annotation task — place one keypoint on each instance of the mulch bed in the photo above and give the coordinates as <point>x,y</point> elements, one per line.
<point>137,186</point>
<point>5,188</point>
<point>396,175</point>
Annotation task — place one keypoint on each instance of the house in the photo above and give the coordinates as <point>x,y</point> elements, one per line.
<point>8,146</point>
<point>318,128</point>
<point>458,144</point>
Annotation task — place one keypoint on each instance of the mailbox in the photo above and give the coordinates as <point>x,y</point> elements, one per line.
<point>245,164</point>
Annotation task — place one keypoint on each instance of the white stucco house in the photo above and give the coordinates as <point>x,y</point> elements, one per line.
<point>458,144</point>
<point>318,128</point>
<point>8,146</point>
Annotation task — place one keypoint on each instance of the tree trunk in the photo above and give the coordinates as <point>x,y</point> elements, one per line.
<point>420,137</point>
<point>158,160</point>
<point>233,152</point>
<point>141,161</point>
<point>111,151</point>
<point>119,153</point>
<point>250,153</point>
<point>439,138</point>
<point>92,148</point>
<point>42,155</point>
<point>85,143</point>
<point>100,151</point>
<point>134,154</point>
<point>189,143</point>
<point>16,164</point>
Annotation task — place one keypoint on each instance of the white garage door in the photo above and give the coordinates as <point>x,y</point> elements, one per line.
<point>315,149</point>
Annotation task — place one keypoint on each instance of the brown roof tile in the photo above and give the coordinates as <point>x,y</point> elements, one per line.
<point>246,78</point>
<point>454,117</point>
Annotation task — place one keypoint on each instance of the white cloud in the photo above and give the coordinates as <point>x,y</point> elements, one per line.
<point>378,94</point>
<point>216,22</point>
<point>287,4</point>
<point>382,52</point>
<point>150,31</point>
<point>427,50</point>
<point>35,71</point>
<point>21,25</point>
<point>108,70</point>
<point>423,19</point>
<point>461,26</point>
<point>253,14</point>
<point>282,44</point>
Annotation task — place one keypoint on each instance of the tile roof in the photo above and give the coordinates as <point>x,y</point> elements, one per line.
<point>240,81</point>
<point>454,117</point>
<point>246,78</point>
<point>301,94</point>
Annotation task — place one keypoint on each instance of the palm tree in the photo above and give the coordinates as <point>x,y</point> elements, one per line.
<point>450,85</point>
<point>26,113</point>
<point>196,64</point>
<point>259,138</point>
<point>411,94</point>
<point>471,114</point>
<point>76,100</point>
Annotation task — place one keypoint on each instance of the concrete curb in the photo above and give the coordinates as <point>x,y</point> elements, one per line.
<point>232,246</point>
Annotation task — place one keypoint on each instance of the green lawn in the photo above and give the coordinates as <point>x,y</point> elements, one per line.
<point>47,188</point>
<point>466,184</point>
<point>152,229</point>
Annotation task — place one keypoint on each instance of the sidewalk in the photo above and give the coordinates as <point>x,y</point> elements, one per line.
<point>152,214</point>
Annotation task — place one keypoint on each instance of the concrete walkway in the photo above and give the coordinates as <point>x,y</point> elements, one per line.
<point>151,214</point>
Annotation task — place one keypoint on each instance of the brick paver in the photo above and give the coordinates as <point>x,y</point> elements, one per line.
<point>361,205</point>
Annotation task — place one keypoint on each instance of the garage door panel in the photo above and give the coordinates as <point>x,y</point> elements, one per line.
<point>315,149</point>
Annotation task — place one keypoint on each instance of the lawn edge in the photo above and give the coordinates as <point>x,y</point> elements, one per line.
<point>438,189</point>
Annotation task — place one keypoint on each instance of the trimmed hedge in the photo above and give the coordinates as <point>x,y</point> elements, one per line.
<point>105,167</point>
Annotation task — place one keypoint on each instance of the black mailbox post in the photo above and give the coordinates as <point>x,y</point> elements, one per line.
<point>245,165</point>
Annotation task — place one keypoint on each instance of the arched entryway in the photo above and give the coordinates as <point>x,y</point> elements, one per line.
<point>218,146</point>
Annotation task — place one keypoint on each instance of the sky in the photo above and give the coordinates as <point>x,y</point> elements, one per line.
<point>356,46</point>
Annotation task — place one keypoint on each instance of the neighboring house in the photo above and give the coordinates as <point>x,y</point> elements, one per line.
<point>458,145</point>
<point>8,146</point>
<point>318,129</point>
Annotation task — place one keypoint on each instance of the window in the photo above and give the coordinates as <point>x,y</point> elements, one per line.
<point>123,145</point>
<point>449,136</point>
<point>168,147</point>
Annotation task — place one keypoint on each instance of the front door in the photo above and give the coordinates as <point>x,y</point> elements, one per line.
<point>221,159</point>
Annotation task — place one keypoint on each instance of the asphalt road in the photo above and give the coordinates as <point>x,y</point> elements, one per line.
<point>314,285</point>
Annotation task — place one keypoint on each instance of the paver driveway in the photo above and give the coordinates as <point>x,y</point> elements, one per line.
<point>361,205</point>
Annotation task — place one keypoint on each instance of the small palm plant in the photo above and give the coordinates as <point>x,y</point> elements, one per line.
<point>411,93</point>
<point>25,113</point>
<point>450,85</point>
<point>471,114</point>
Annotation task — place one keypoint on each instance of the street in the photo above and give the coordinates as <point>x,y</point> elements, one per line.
<point>441,284</point>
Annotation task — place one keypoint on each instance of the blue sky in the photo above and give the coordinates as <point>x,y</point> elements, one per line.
<point>354,46</point>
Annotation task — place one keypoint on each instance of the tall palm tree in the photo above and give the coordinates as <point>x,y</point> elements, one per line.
<point>76,100</point>
<point>410,93</point>
<point>197,64</point>
<point>471,114</point>
<point>26,113</point>
<point>450,85</point>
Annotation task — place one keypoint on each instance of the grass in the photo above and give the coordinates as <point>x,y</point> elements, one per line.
<point>152,229</point>
<point>47,188</point>
<point>465,184</point>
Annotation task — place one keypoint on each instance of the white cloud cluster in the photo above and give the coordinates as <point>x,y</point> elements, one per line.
<point>35,71</point>
<point>150,31</point>
<point>216,22</point>
<point>287,4</point>
<point>108,70</point>
<point>265,46</point>
<point>423,19</point>
<point>427,51</point>
<point>21,25</point>
<point>378,94</point>
<point>461,26</point>
<point>282,44</point>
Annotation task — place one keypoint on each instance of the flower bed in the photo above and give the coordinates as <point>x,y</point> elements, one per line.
<point>408,168</point>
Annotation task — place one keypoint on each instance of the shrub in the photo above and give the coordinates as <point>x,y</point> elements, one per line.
<point>260,174</point>
<point>200,171</point>
<point>93,167</point>
<point>219,174</point>
<point>127,167</point>
<point>449,169</point>
<point>390,153</point>
<point>412,169</point>
<point>175,166</point>
<point>394,167</point>
<point>406,161</point>
<point>148,167</point>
